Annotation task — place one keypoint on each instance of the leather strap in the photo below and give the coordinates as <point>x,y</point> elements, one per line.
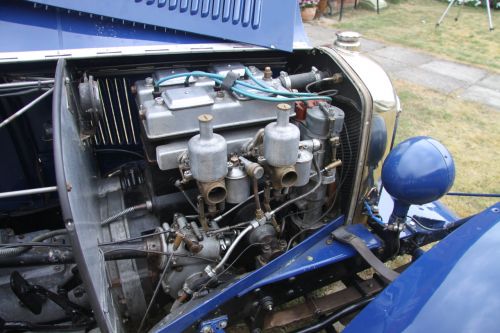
<point>343,235</point>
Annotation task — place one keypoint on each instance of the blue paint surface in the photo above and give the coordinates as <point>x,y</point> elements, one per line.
<point>419,170</point>
<point>125,23</point>
<point>452,288</point>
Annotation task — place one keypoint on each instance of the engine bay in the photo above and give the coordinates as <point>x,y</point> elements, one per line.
<point>182,174</point>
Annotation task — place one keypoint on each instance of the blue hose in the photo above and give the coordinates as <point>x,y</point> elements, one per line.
<point>244,92</point>
<point>373,216</point>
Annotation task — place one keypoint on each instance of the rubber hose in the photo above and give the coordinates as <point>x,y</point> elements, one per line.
<point>14,251</point>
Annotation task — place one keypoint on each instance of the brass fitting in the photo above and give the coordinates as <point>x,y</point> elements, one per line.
<point>333,165</point>
<point>213,192</point>
<point>283,176</point>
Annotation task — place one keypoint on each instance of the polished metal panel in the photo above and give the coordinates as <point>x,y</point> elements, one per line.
<point>76,174</point>
<point>187,97</point>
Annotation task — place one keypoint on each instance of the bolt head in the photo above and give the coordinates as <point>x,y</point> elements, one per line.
<point>223,324</point>
<point>206,329</point>
<point>159,101</point>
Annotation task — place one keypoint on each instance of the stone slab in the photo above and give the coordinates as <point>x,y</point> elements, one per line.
<point>435,81</point>
<point>492,81</point>
<point>483,95</point>
<point>404,55</point>
<point>368,45</point>
<point>457,71</point>
<point>389,65</point>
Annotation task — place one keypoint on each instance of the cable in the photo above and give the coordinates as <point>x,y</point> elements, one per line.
<point>135,238</point>
<point>248,72</point>
<point>328,92</point>
<point>157,289</point>
<point>372,215</point>
<point>114,150</point>
<point>230,265</point>
<point>188,199</point>
<point>233,246</point>
<point>464,194</point>
<point>333,318</point>
<point>219,79</point>
<point>25,108</point>
<point>220,217</point>
<point>312,227</point>
<point>236,226</point>
<point>124,212</point>
<point>33,244</point>
<point>309,85</point>
<point>238,257</point>
<point>417,222</point>
<point>160,253</point>
<point>260,86</point>
<point>14,251</point>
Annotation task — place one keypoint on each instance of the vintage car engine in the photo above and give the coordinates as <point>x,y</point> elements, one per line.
<point>229,155</point>
<point>187,174</point>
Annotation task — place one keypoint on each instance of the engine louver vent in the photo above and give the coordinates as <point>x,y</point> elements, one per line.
<point>240,12</point>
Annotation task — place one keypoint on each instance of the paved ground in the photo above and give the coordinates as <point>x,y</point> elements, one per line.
<point>467,82</point>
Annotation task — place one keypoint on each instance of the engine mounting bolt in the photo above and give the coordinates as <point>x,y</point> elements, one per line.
<point>159,101</point>
<point>284,107</point>
<point>220,94</point>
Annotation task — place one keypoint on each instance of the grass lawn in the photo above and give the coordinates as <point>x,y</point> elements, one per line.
<point>470,131</point>
<point>411,23</point>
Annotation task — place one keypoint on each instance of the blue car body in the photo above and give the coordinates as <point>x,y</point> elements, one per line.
<point>451,288</point>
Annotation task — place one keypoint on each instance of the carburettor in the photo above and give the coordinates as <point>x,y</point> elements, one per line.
<point>281,148</point>
<point>208,161</point>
